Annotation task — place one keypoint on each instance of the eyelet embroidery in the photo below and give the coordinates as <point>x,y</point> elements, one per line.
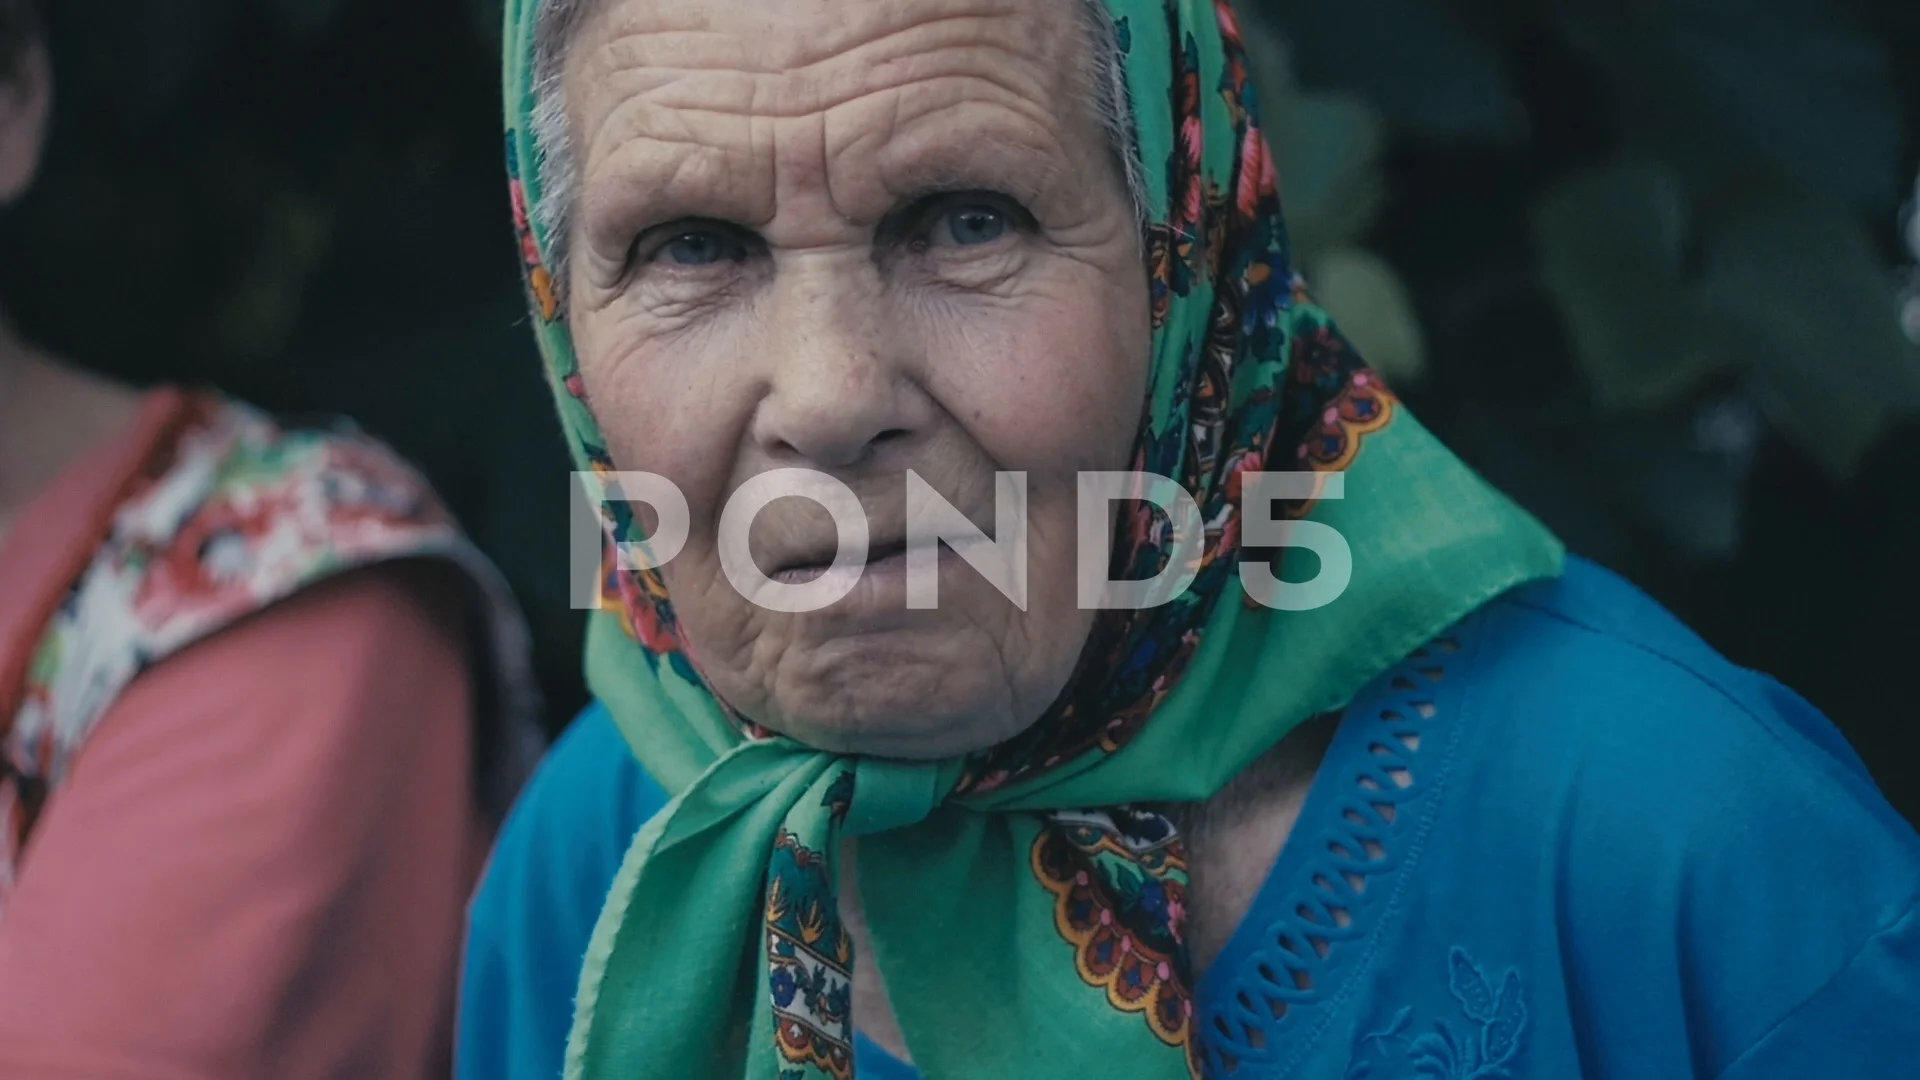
<point>1347,863</point>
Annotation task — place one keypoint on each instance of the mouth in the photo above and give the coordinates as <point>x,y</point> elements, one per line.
<point>814,565</point>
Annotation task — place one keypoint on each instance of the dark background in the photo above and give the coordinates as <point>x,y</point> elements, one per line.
<point>1640,261</point>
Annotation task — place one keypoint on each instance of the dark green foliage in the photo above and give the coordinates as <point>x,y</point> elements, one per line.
<point>1653,247</point>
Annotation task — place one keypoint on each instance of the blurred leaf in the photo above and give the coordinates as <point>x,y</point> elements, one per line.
<point>1718,86</point>
<point>1693,495</point>
<point>142,56</point>
<point>1790,293</point>
<point>1373,309</point>
<point>258,318</point>
<point>1800,280</point>
<point>1612,249</point>
<point>487,17</point>
<point>1423,71</point>
<point>1811,92</point>
<point>1326,146</point>
<point>1910,220</point>
<point>1269,57</point>
<point>1888,17</point>
<point>305,20</point>
<point>1326,150</point>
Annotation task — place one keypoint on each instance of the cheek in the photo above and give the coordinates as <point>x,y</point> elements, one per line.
<point>664,402</point>
<point>1050,380</point>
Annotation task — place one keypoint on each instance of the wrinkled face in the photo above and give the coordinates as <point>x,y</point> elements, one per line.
<point>859,237</point>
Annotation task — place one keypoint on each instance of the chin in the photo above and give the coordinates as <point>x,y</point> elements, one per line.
<point>900,695</point>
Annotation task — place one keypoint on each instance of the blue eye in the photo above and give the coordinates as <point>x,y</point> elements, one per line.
<point>970,226</point>
<point>702,248</point>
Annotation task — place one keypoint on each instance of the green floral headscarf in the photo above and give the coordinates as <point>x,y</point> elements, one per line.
<point>1018,932</point>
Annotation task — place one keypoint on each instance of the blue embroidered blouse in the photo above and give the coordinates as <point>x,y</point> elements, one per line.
<point>1566,840</point>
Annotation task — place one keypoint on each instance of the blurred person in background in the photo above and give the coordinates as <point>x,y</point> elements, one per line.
<point>1490,813</point>
<point>259,704</point>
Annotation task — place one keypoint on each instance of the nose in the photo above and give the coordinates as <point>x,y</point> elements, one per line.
<point>840,389</point>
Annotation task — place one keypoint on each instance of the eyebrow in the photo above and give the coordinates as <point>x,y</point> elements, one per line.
<point>925,158</point>
<point>698,181</point>
<point>994,160</point>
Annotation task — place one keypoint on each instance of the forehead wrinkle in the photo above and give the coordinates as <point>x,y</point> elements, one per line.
<point>721,92</point>
<point>822,64</point>
<point>833,84</point>
<point>778,38</point>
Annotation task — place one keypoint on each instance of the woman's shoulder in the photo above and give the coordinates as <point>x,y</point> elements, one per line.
<point>368,660</point>
<point>363,611</point>
<point>534,913</point>
<point>1599,736</point>
<point>1663,864</point>
<point>570,828</point>
<point>1588,673</point>
<point>217,524</point>
<point>589,776</point>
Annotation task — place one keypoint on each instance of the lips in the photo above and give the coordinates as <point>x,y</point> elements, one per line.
<point>814,564</point>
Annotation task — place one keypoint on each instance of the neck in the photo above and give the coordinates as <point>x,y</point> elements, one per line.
<point>13,361</point>
<point>1234,838</point>
<point>15,387</point>
<point>49,415</point>
<point>21,371</point>
<point>13,364</point>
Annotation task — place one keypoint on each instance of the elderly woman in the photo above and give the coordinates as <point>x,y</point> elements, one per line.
<point>244,725</point>
<point>1488,813</point>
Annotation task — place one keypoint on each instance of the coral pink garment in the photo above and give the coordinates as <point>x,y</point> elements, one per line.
<point>258,865</point>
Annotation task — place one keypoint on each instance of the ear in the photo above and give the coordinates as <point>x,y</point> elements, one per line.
<point>25,102</point>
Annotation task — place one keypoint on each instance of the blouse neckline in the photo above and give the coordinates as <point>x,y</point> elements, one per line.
<point>1311,927</point>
